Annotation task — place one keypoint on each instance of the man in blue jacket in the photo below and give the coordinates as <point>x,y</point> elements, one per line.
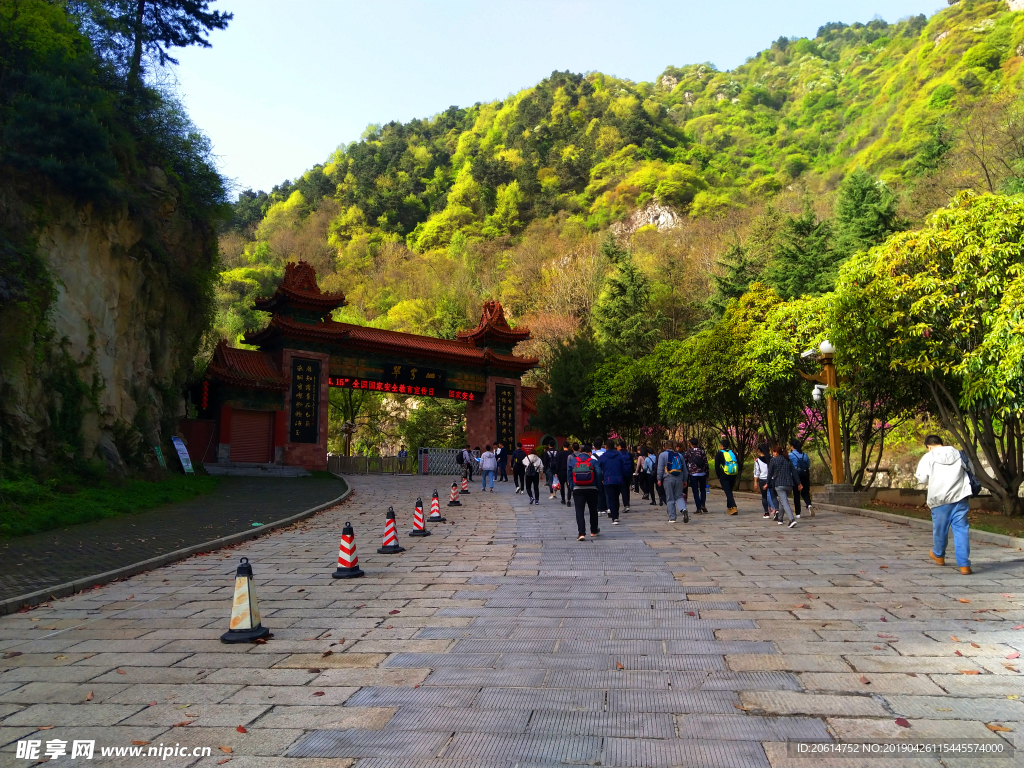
<point>614,468</point>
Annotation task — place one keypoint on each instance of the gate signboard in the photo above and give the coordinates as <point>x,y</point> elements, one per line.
<point>505,413</point>
<point>305,422</point>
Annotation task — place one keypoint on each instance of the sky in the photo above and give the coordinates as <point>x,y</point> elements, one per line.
<point>287,82</point>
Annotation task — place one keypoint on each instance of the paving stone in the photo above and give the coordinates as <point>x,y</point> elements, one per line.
<point>199,714</point>
<point>778,757</point>
<point>647,753</point>
<point>548,698</point>
<point>514,678</point>
<point>413,697</point>
<point>345,660</point>
<point>378,676</point>
<point>301,695</point>
<point>363,743</point>
<point>72,714</point>
<point>751,728</point>
<point>792,703</point>
<point>749,681</point>
<point>880,682</point>
<point>790,662</point>
<point>950,708</point>
<point>435,660</point>
<point>854,728</point>
<point>609,678</point>
<point>59,693</point>
<point>626,724</point>
<point>361,718</point>
<point>453,719</point>
<point>541,747</point>
<point>671,701</point>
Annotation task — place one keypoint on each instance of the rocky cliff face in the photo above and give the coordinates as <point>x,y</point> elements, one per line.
<point>99,375</point>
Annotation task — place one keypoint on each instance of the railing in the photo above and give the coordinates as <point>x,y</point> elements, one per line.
<point>439,461</point>
<point>369,465</point>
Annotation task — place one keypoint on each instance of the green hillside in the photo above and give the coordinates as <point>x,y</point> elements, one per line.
<point>419,222</point>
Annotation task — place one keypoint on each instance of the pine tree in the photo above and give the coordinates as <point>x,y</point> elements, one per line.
<point>866,214</point>
<point>623,319</point>
<point>805,261</point>
<point>738,269</point>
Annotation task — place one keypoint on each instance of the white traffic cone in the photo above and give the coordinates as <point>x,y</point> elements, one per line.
<point>418,529</point>
<point>348,560</point>
<point>245,624</point>
<point>435,510</point>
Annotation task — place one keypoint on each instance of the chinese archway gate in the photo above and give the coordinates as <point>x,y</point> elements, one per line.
<point>270,405</point>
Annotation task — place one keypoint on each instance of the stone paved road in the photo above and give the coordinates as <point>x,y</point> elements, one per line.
<point>497,642</point>
<point>31,563</point>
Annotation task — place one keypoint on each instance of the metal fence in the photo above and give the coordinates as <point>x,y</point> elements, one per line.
<point>439,461</point>
<point>369,465</point>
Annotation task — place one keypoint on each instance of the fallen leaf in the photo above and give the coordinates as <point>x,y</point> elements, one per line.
<point>954,638</point>
<point>618,665</point>
<point>883,566</point>
<point>741,706</point>
<point>902,722</point>
<point>314,670</point>
<point>690,613</point>
<point>877,647</point>
<point>1013,697</point>
<point>140,743</point>
<point>975,645</point>
<point>802,605</point>
<point>229,750</point>
<point>89,696</point>
<point>882,618</point>
<point>998,728</point>
<point>1013,655</point>
<point>240,729</point>
<point>943,709</point>
<point>1005,595</point>
<point>325,654</point>
<point>881,635</point>
<point>392,613</point>
<point>301,590</point>
<point>12,654</point>
<point>361,606</point>
<point>319,693</point>
<point>963,600</point>
<point>1010,667</point>
<point>182,724</point>
<point>120,672</point>
<point>865,680</point>
<point>957,653</point>
<point>970,671</point>
<point>45,728</point>
<point>184,706</point>
<point>911,674</point>
<point>225,760</point>
<point>131,597</point>
<point>60,656</point>
<point>1019,626</point>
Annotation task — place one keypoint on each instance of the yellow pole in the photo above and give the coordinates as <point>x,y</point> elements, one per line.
<point>832,409</point>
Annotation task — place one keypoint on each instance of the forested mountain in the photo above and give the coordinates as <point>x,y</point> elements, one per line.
<point>419,222</point>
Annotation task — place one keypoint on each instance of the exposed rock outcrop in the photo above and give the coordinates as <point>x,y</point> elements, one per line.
<point>654,214</point>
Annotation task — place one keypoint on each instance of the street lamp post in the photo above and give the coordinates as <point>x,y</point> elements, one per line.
<point>828,380</point>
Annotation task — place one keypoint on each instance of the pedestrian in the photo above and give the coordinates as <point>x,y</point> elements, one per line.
<point>629,474</point>
<point>532,466</point>
<point>561,472</point>
<point>501,454</point>
<point>467,462</point>
<point>610,465</point>
<point>672,479</point>
<point>585,480</point>
<point>641,472</point>
<point>802,464</point>
<point>697,470</point>
<point>550,456</point>
<point>488,463</point>
<point>783,480</point>
<point>518,469</point>
<point>574,455</point>
<point>403,456</point>
<point>949,475</point>
<point>761,477</point>
<point>602,497</point>
<point>727,468</point>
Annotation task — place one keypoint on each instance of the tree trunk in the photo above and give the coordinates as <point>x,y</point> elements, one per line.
<point>135,69</point>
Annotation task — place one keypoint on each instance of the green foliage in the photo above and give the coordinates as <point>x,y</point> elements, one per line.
<point>805,261</point>
<point>866,213</point>
<point>946,301</point>
<point>623,317</point>
<point>84,494</point>
<point>434,424</point>
<point>624,399</point>
<point>562,409</point>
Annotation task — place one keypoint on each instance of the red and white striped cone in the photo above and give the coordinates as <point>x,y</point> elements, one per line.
<point>435,510</point>
<point>348,561</point>
<point>465,484</point>
<point>390,546</point>
<point>418,529</point>
<point>454,500</point>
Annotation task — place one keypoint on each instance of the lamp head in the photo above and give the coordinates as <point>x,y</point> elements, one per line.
<point>826,347</point>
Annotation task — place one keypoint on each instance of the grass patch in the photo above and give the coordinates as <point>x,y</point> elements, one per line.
<point>983,521</point>
<point>32,504</point>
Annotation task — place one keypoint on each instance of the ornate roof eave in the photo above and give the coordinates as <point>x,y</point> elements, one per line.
<point>493,327</point>
<point>227,365</point>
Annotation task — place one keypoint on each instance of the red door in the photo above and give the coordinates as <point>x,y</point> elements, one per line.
<point>252,436</point>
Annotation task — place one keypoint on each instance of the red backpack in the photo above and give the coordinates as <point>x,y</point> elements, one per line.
<point>584,472</point>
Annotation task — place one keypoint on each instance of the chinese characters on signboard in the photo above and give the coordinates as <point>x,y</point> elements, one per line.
<point>401,389</point>
<point>305,422</point>
<point>414,376</point>
<point>505,413</point>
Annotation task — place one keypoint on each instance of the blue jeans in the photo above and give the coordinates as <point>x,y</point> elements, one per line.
<point>952,516</point>
<point>484,475</point>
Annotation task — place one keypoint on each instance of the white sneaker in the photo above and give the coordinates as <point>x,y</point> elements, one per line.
<point>792,524</point>
<point>615,522</point>
<point>779,522</point>
<point>671,521</point>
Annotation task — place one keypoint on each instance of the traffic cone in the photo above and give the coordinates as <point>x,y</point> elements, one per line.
<point>390,545</point>
<point>348,561</point>
<point>245,612</point>
<point>465,484</point>
<point>418,528</point>
<point>435,510</point>
<point>454,500</point>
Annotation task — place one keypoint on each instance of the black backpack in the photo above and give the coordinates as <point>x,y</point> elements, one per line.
<point>966,464</point>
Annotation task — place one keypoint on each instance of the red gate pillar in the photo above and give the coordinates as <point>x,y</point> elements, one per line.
<point>481,414</point>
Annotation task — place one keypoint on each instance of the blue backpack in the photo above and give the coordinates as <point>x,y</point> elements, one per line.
<point>675,463</point>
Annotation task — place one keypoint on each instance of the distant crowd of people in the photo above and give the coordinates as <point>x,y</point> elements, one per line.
<point>595,479</point>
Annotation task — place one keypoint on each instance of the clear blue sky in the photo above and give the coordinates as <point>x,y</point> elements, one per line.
<point>287,82</point>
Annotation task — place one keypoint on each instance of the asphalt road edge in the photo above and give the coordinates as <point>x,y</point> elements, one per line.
<point>15,604</point>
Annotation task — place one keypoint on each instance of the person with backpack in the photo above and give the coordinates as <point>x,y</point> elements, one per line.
<point>802,464</point>
<point>783,480</point>
<point>518,469</point>
<point>532,467</point>
<point>951,482</point>
<point>465,460</point>
<point>488,463</point>
<point>602,498</point>
<point>727,468</point>
<point>561,472</point>
<point>641,473</point>
<point>550,456</point>
<point>501,454</point>
<point>585,480</point>
<point>610,465</point>
<point>697,475</point>
<point>761,478</point>
<point>629,474</point>
<point>672,479</point>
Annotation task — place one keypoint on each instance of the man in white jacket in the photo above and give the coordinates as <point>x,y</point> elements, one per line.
<point>949,494</point>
